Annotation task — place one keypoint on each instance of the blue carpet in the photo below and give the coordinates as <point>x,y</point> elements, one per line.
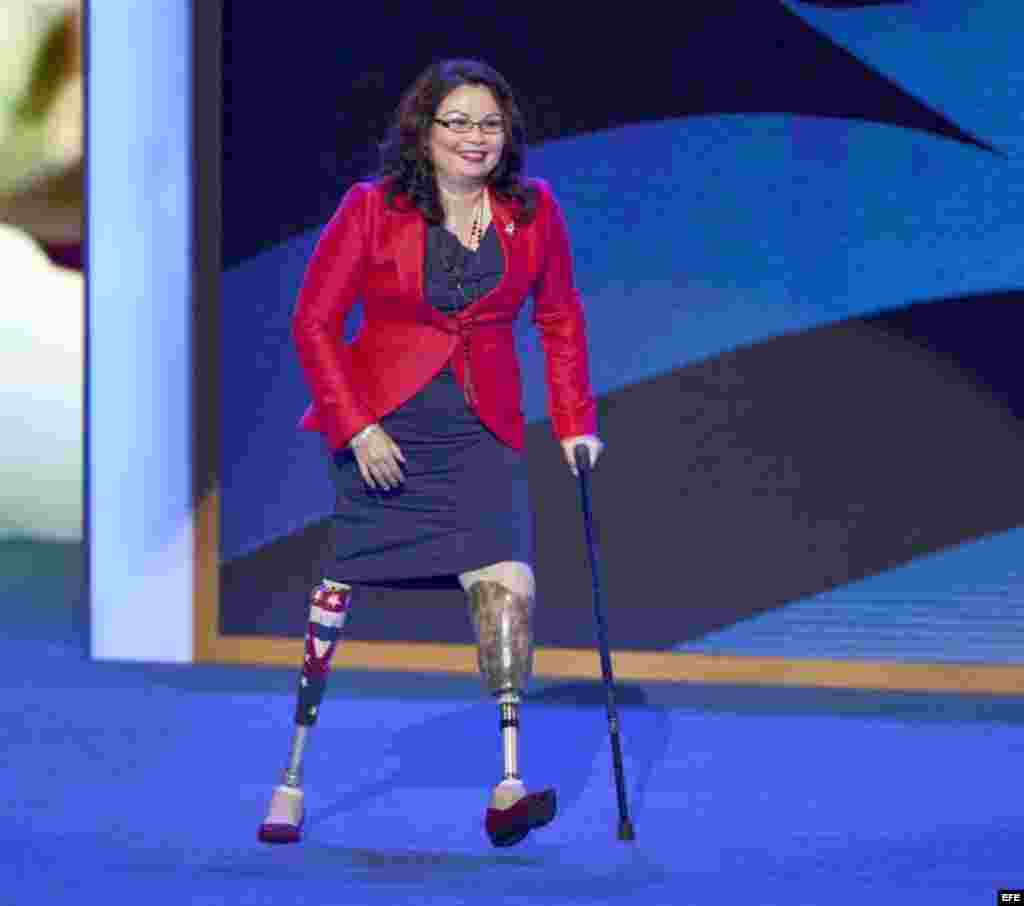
<point>142,783</point>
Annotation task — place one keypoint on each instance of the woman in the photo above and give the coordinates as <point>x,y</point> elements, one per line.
<point>422,410</point>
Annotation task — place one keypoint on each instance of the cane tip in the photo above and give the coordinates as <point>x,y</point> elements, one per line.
<point>626,832</point>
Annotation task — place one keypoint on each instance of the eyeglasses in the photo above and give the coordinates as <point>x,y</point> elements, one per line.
<point>490,125</point>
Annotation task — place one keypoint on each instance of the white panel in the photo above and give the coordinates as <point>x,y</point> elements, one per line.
<point>139,265</point>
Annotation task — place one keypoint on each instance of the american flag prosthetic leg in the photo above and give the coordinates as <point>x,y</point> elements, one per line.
<point>328,610</point>
<point>327,614</point>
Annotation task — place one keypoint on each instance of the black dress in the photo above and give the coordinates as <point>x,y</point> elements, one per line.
<point>464,503</point>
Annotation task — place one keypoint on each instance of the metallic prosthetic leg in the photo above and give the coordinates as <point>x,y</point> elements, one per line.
<point>327,613</point>
<point>502,620</point>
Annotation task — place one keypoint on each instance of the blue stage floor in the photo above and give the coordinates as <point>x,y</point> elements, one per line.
<point>145,784</point>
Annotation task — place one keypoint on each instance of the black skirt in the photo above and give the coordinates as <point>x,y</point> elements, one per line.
<point>465,502</point>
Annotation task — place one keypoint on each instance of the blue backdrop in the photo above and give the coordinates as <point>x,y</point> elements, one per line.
<point>868,186</point>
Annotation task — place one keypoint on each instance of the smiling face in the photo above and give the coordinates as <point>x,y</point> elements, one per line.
<point>464,160</point>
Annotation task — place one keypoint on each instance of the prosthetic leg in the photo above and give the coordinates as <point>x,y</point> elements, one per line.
<point>502,621</point>
<point>327,612</point>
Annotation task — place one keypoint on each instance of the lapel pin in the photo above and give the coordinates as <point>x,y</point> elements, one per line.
<point>511,229</point>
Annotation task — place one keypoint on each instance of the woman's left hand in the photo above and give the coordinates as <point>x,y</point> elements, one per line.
<point>593,444</point>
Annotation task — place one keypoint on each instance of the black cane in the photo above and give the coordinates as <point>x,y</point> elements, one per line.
<point>626,832</point>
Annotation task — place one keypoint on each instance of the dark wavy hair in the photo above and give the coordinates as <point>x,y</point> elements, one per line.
<point>405,164</point>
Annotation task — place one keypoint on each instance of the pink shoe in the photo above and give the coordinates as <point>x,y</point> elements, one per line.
<point>285,818</point>
<point>280,833</point>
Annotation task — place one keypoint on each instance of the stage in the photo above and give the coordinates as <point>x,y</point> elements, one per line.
<point>146,783</point>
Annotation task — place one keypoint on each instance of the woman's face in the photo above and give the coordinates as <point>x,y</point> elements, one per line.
<point>464,160</point>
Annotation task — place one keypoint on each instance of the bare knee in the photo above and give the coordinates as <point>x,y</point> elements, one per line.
<point>515,575</point>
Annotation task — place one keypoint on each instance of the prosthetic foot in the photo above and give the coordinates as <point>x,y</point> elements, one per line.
<point>502,621</point>
<point>327,613</point>
<point>283,823</point>
<point>513,812</point>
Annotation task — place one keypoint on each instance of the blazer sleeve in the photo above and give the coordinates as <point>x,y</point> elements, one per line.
<point>559,318</point>
<point>333,282</point>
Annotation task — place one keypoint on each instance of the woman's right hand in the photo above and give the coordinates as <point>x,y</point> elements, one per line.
<point>378,458</point>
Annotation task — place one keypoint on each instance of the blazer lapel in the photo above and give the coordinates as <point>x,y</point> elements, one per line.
<point>502,215</point>
<point>410,248</point>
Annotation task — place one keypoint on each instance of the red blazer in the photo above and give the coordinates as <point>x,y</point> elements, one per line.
<point>375,253</point>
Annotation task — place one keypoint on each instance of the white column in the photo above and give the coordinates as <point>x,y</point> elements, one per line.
<point>139,325</point>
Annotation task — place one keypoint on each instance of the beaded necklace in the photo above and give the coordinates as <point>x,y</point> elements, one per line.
<point>456,270</point>
<point>456,266</point>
